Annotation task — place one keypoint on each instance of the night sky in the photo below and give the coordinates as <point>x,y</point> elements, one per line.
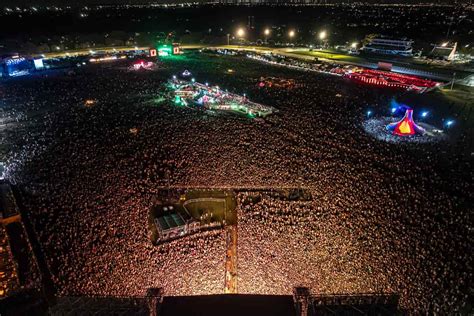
<point>75,3</point>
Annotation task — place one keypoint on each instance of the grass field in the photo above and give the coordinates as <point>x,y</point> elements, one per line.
<point>221,204</point>
<point>329,55</point>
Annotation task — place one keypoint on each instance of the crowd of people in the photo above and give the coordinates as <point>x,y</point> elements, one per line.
<point>381,217</point>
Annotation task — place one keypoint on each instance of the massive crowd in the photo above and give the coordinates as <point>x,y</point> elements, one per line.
<point>382,217</point>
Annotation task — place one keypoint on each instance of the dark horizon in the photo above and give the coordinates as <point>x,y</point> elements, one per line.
<point>60,3</point>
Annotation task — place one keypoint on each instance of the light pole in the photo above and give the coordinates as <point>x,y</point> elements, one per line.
<point>291,34</point>
<point>266,33</point>
<point>452,82</point>
<point>322,36</point>
<point>241,33</point>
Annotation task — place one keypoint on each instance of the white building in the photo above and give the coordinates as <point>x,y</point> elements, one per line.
<point>386,46</point>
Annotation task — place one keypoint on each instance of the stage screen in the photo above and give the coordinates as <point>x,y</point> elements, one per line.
<point>17,66</point>
<point>38,64</point>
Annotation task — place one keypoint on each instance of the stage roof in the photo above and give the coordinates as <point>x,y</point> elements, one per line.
<point>229,305</point>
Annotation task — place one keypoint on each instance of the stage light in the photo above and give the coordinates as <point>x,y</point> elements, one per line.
<point>424,114</point>
<point>449,123</point>
<point>369,113</point>
<point>193,80</point>
<point>394,110</point>
<point>174,77</point>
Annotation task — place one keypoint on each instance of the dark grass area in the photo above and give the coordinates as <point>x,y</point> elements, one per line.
<point>222,209</point>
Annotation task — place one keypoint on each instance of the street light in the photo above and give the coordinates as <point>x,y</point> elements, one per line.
<point>354,45</point>
<point>240,32</point>
<point>291,33</point>
<point>323,35</point>
<point>266,32</point>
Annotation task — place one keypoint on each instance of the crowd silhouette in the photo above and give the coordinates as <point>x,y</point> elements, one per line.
<point>381,218</point>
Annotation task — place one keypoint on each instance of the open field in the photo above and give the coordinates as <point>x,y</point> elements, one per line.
<point>221,204</point>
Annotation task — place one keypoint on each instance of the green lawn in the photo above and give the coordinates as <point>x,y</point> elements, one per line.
<point>329,55</point>
<point>221,207</point>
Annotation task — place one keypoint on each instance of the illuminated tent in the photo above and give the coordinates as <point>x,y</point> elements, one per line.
<point>406,126</point>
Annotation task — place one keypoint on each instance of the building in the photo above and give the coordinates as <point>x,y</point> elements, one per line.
<point>301,303</point>
<point>444,52</point>
<point>387,46</point>
<point>172,224</point>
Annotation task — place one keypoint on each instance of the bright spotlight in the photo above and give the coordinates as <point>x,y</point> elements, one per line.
<point>266,32</point>
<point>369,113</point>
<point>394,110</point>
<point>424,114</point>
<point>241,32</point>
<point>291,33</point>
<point>323,35</point>
<point>354,45</point>
<point>449,123</point>
<point>444,44</point>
